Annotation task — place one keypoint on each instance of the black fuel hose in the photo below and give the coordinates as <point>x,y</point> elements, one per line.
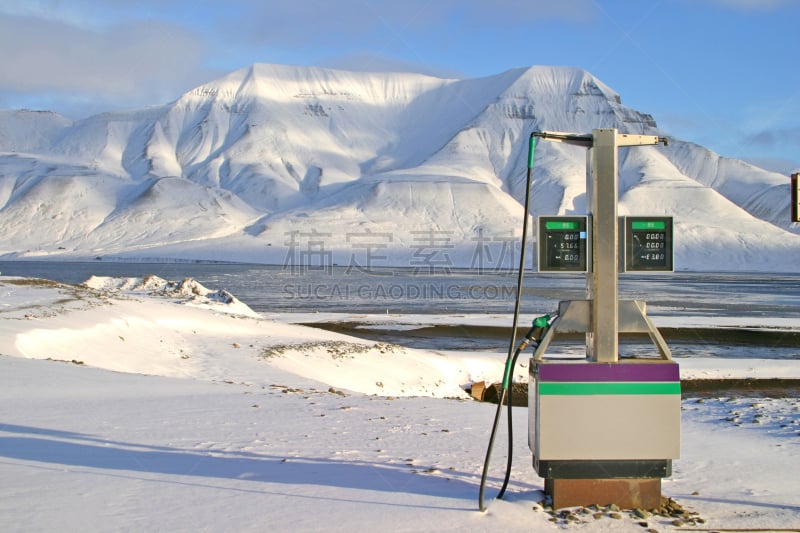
<point>511,353</point>
<point>534,335</point>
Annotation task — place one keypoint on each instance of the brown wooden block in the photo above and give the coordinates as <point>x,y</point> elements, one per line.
<point>637,493</point>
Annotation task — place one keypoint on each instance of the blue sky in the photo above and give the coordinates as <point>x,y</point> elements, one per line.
<point>722,73</point>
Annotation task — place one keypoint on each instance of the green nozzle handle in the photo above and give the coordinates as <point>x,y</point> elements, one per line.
<point>531,151</point>
<point>539,326</point>
<point>542,321</point>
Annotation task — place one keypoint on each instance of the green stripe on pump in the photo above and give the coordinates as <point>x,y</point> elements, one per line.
<point>608,388</point>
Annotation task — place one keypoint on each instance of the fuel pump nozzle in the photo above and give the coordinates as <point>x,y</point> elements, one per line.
<point>538,329</point>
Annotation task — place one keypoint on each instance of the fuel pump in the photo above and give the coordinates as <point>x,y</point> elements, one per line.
<point>580,434</point>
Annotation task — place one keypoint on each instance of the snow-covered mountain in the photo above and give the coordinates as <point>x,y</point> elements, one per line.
<point>304,165</point>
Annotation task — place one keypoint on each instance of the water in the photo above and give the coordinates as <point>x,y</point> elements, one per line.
<point>753,297</point>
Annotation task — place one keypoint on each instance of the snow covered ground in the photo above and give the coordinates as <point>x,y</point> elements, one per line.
<point>145,405</point>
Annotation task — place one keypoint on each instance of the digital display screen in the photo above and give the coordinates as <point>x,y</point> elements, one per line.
<point>562,244</point>
<point>648,244</point>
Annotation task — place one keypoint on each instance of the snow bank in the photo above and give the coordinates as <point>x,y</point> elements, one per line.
<point>152,326</point>
<point>188,291</point>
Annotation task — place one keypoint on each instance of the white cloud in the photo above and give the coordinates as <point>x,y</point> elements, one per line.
<point>136,62</point>
<point>147,51</point>
<point>310,22</point>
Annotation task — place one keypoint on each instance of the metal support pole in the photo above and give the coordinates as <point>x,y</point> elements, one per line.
<point>603,281</point>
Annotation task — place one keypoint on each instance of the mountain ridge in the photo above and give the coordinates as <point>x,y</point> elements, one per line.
<point>239,167</point>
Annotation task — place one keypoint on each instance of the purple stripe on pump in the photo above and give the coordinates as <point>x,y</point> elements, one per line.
<point>591,372</point>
